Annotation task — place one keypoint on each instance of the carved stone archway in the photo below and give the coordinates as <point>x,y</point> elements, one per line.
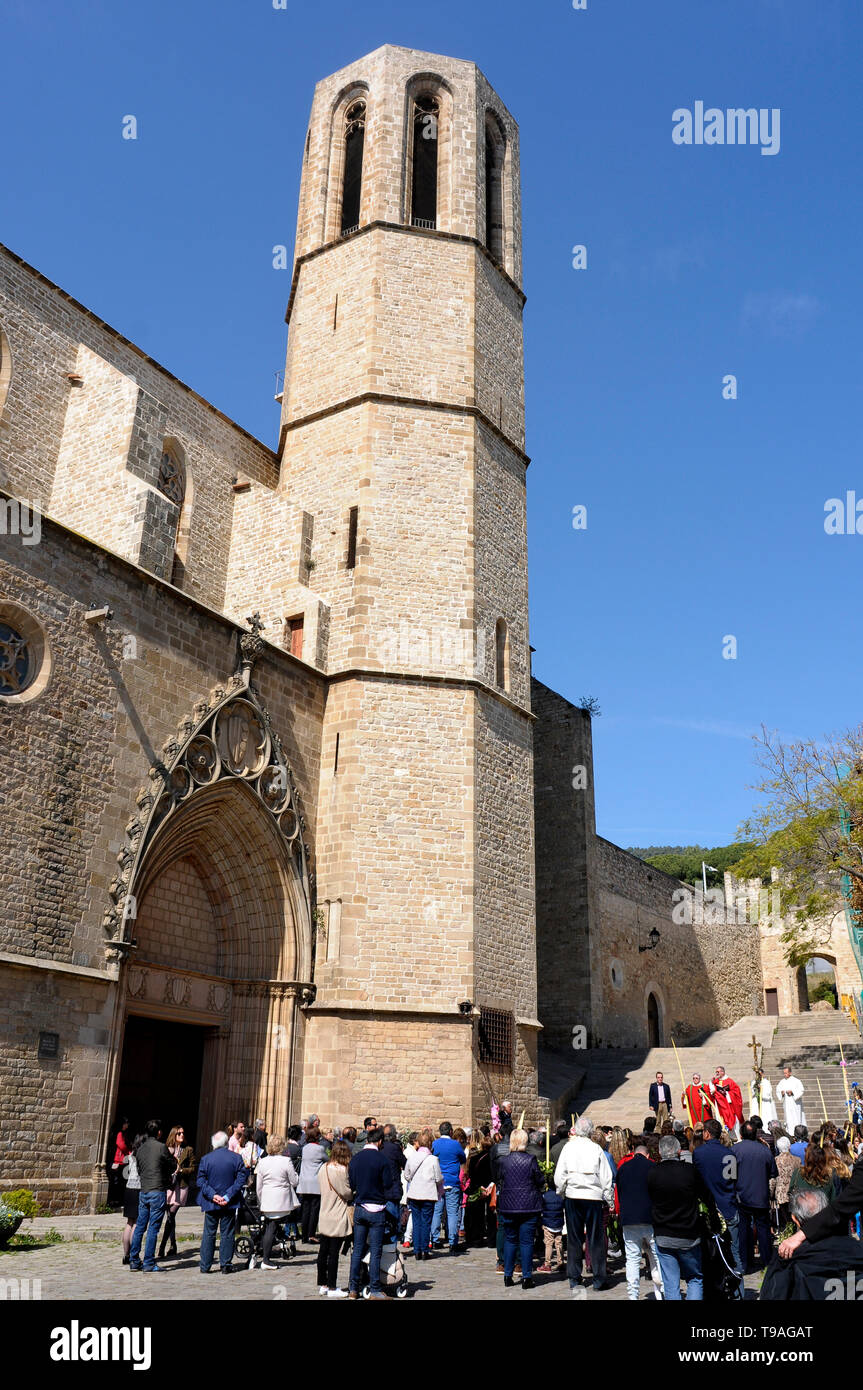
<point>222,798</point>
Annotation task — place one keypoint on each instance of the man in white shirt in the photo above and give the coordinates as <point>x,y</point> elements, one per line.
<point>583,1178</point>
<point>659,1100</point>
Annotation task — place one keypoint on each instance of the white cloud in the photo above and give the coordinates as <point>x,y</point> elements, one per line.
<point>780,313</point>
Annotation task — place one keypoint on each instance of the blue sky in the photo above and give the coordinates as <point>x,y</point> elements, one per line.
<point>705,516</point>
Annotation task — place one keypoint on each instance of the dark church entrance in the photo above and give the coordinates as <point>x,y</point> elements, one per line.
<point>160,1075</point>
<point>654,1027</point>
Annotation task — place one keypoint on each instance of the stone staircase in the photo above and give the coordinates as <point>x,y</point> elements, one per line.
<point>810,1044</point>
<point>612,1083</point>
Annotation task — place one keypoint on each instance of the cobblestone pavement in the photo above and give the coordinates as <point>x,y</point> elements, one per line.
<point>87,1268</point>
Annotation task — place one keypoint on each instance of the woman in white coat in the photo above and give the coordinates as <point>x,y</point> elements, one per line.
<point>276,1184</point>
<point>424,1185</point>
<point>765,1106</point>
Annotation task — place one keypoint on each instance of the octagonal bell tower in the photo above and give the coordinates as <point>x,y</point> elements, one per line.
<point>403,442</point>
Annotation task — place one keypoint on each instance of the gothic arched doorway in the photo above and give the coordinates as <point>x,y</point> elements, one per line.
<point>654,1021</point>
<point>217,922</point>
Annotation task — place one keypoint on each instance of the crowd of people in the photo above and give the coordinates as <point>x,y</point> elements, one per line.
<point>699,1205</point>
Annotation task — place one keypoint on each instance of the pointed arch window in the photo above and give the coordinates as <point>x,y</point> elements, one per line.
<point>352,181</point>
<point>495,154</point>
<point>172,475</point>
<point>424,175</point>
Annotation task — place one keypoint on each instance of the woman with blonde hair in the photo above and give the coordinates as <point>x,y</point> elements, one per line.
<point>275,1184</point>
<point>424,1180</point>
<point>519,1207</point>
<point>619,1144</point>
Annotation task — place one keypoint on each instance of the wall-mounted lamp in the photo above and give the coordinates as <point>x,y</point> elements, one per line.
<point>98,615</point>
<point>653,938</point>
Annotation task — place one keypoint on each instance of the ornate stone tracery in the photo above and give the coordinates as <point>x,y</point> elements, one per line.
<point>229,737</point>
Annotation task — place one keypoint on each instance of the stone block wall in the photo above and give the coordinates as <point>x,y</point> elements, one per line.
<point>704,977</point>
<point>52,1107</point>
<point>88,452</point>
<point>77,758</point>
<point>408,1070</point>
<point>566,889</point>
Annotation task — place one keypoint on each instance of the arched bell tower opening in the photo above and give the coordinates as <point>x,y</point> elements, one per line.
<point>217,930</point>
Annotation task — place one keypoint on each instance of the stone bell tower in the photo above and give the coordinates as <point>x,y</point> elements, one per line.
<point>403,443</point>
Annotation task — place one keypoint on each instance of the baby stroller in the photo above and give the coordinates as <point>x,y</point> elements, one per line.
<point>249,1247</point>
<point>394,1278</point>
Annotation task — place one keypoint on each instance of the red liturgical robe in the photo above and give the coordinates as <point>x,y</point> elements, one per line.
<point>728,1101</point>
<point>699,1104</point>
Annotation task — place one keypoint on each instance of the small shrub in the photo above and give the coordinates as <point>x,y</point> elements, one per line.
<point>21,1201</point>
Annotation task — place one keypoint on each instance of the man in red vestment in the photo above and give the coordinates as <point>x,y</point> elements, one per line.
<point>727,1099</point>
<point>696,1101</point>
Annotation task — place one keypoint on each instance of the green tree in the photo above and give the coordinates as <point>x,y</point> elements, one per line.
<point>809,827</point>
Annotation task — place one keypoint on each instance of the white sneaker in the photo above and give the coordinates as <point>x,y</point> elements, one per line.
<point>323,1290</point>
<point>251,1264</point>
<point>264,1265</point>
<point>337,1293</point>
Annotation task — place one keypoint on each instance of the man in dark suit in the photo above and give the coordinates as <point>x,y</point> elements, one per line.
<point>717,1167</point>
<point>755,1168</point>
<point>659,1100</point>
<point>221,1178</point>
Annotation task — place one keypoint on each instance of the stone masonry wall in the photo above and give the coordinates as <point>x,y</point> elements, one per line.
<point>64,442</point>
<point>704,977</point>
<point>566,891</point>
<point>76,758</point>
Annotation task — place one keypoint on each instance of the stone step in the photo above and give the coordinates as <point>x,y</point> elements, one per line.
<point>616,1080</point>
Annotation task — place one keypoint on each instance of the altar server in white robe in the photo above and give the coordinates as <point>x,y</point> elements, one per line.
<point>790,1090</point>
<point>766,1106</point>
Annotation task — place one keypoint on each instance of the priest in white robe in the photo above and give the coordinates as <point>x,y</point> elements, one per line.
<point>790,1090</point>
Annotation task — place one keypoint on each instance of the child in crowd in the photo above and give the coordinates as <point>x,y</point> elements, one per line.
<point>552,1229</point>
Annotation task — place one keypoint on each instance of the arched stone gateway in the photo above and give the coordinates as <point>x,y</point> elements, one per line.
<point>212,923</point>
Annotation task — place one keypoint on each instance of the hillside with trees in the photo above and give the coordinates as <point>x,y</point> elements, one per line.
<point>684,861</point>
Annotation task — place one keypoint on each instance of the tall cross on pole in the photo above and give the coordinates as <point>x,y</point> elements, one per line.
<point>754,1046</point>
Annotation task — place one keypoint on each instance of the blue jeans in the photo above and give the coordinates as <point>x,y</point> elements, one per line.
<point>681,1264</point>
<point>452,1198</point>
<point>519,1234</point>
<point>421,1211</point>
<point>226,1220</point>
<point>733,1224</point>
<point>151,1213</point>
<point>368,1231</point>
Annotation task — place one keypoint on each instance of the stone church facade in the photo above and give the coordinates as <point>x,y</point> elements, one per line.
<point>272,835</point>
